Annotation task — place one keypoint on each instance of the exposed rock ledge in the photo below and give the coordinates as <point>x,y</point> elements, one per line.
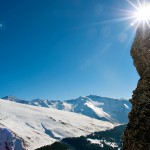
<point>137,133</point>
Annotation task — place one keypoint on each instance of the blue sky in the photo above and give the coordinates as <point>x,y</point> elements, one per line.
<point>61,49</point>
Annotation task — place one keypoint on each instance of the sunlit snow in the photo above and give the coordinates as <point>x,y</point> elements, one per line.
<point>39,126</point>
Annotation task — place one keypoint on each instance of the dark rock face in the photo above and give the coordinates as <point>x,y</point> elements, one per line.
<point>137,133</point>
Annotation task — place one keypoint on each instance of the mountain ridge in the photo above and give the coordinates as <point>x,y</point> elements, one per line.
<point>101,108</point>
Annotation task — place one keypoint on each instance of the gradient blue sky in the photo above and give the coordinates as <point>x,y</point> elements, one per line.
<point>62,49</point>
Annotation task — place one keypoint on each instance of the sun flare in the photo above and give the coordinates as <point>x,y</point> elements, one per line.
<point>140,13</point>
<point>143,14</point>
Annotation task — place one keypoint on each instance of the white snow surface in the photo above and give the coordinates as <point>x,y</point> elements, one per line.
<point>95,141</point>
<point>98,111</point>
<point>100,142</point>
<point>126,106</point>
<point>39,126</point>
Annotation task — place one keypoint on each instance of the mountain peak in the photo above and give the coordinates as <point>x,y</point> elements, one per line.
<point>10,98</point>
<point>15,99</point>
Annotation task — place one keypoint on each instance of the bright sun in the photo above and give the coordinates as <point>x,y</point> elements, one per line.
<point>143,14</point>
<point>138,15</point>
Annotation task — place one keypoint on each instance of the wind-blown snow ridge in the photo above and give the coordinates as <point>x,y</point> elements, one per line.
<point>39,126</point>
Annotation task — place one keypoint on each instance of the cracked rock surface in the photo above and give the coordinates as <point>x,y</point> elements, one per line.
<point>137,133</point>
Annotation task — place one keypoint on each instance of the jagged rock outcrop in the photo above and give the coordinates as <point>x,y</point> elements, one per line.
<point>137,133</point>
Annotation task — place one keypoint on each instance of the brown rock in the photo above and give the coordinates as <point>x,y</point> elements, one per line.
<point>137,133</point>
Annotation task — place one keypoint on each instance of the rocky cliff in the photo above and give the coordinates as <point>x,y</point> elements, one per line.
<point>137,133</point>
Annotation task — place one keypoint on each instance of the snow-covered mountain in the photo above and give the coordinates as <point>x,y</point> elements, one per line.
<point>15,99</point>
<point>102,108</point>
<point>35,127</point>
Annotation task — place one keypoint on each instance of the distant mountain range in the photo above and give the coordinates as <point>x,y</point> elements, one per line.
<point>101,108</point>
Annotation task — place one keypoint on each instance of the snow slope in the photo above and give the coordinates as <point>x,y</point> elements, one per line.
<point>102,108</point>
<point>38,126</point>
